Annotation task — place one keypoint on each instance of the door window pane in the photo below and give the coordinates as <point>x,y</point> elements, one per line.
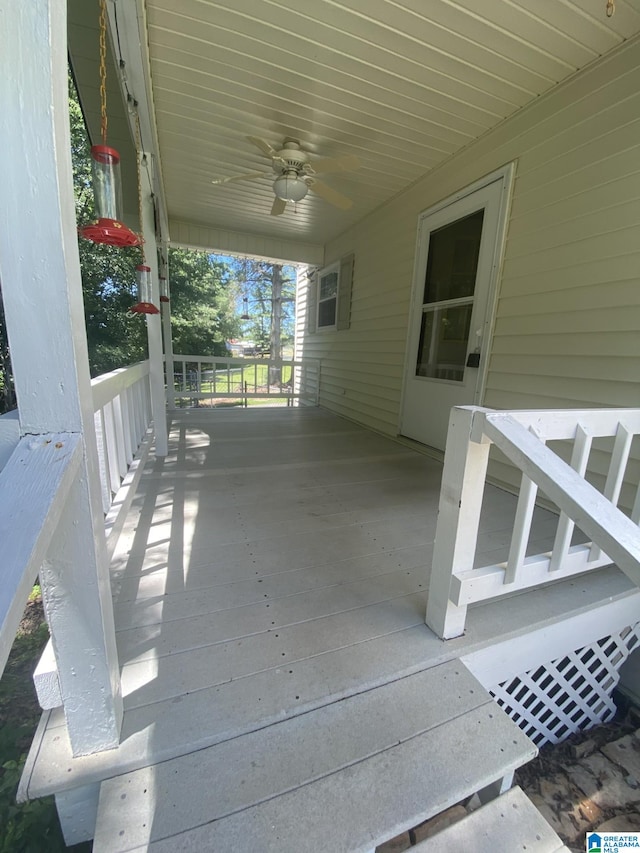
<point>443,342</point>
<point>453,259</point>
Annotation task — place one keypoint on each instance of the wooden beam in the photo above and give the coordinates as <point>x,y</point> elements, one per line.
<point>44,311</point>
<point>167,340</point>
<point>45,466</point>
<point>154,327</point>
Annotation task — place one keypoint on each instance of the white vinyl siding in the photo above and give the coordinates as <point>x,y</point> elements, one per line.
<point>567,323</point>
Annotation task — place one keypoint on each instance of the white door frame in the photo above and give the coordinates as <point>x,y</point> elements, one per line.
<point>506,174</point>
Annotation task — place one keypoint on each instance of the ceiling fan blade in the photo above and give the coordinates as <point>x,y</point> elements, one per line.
<point>332,196</point>
<point>263,146</point>
<point>348,163</point>
<point>279,207</point>
<point>250,176</point>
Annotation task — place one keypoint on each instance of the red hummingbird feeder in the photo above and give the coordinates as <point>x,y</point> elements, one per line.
<point>145,292</point>
<point>108,228</point>
<point>107,194</point>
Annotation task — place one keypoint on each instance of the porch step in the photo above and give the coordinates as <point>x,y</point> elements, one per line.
<point>507,824</point>
<point>346,776</point>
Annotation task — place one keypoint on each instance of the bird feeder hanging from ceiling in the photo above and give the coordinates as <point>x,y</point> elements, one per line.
<point>144,304</point>
<point>105,171</point>
<point>164,290</point>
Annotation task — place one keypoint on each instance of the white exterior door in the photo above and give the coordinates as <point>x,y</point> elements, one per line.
<point>456,267</point>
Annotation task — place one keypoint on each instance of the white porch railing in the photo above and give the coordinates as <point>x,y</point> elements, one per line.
<point>122,407</point>
<point>614,537</point>
<point>210,379</point>
<point>33,517</point>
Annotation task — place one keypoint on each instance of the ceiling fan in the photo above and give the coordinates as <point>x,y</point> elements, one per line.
<point>296,174</point>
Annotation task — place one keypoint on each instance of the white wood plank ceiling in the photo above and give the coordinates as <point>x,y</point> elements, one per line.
<point>401,84</point>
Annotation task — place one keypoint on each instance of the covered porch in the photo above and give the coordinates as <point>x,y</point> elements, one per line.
<point>270,585</point>
<point>237,598</point>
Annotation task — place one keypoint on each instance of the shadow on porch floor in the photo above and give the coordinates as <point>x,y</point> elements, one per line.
<point>276,562</point>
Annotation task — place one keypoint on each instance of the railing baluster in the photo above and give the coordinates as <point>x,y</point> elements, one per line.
<point>128,447</point>
<point>615,475</point>
<point>579,459</point>
<point>112,447</point>
<point>247,378</point>
<point>521,528</point>
<point>635,512</point>
<point>139,417</point>
<point>103,461</point>
<point>131,408</point>
<point>119,432</point>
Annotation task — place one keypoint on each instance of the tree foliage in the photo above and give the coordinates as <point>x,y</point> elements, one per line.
<point>114,339</point>
<point>264,290</point>
<point>202,307</point>
<point>203,315</point>
<point>7,391</point>
<point>208,292</point>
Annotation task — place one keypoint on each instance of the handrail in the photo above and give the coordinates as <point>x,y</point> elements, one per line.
<point>199,378</point>
<point>122,414</point>
<point>108,385</point>
<point>45,466</point>
<point>521,436</point>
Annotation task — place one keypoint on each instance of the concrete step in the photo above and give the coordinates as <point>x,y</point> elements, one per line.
<point>346,776</point>
<point>507,824</point>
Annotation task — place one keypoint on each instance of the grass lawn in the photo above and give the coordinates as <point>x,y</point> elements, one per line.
<point>256,376</point>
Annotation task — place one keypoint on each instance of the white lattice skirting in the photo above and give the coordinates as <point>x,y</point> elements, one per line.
<point>569,693</point>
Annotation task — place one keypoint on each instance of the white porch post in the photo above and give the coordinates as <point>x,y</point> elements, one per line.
<point>461,493</point>
<point>168,341</point>
<point>154,326</point>
<point>42,290</point>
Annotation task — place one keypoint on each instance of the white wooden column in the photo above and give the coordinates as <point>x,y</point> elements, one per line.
<point>40,273</point>
<point>168,341</point>
<point>154,325</point>
<point>461,493</point>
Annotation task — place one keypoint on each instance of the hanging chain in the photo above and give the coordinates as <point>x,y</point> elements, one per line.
<point>139,162</point>
<point>103,70</point>
<point>611,8</point>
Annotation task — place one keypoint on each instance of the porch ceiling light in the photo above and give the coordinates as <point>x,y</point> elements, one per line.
<point>289,187</point>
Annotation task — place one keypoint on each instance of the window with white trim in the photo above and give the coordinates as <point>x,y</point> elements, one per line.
<point>328,287</point>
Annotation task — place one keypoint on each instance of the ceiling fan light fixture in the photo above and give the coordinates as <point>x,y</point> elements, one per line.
<point>289,187</point>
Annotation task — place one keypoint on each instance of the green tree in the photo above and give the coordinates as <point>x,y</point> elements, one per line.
<point>202,308</point>
<point>108,274</point>
<point>267,292</point>
<point>7,393</point>
<point>203,315</point>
